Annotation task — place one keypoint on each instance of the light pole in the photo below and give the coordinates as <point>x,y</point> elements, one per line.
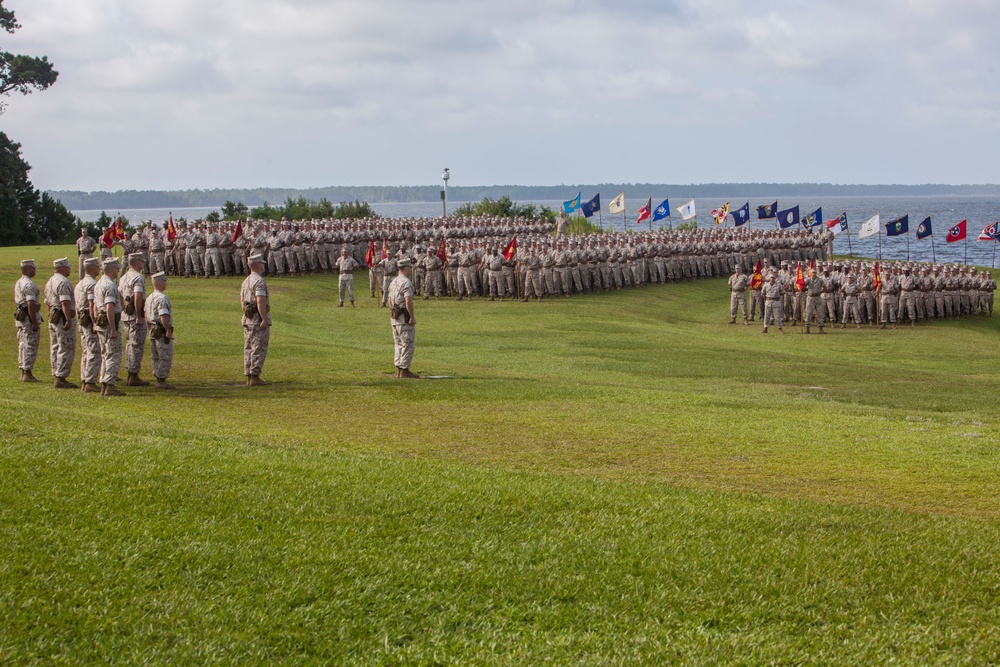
<point>445,175</point>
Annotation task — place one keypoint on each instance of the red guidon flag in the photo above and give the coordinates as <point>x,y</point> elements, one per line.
<point>645,211</point>
<point>238,232</point>
<point>510,250</point>
<point>171,230</point>
<point>370,255</point>
<point>385,250</point>
<point>877,280</point>
<point>956,233</point>
<point>442,253</point>
<point>108,238</point>
<point>120,230</point>
<point>757,279</point>
<point>800,280</point>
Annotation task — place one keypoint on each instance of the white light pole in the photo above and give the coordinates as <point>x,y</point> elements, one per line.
<point>445,175</point>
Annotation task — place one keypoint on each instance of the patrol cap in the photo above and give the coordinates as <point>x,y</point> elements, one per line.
<point>62,261</point>
<point>404,263</point>
<point>136,256</point>
<point>92,261</point>
<point>25,263</point>
<point>160,276</point>
<point>111,263</point>
<point>257,257</point>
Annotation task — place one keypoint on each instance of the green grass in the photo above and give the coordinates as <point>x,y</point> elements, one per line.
<point>618,478</point>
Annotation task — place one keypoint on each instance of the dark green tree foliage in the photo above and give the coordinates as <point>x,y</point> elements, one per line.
<point>213,216</point>
<point>505,207</point>
<point>305,209</point>
<point>234,211</point>
<point>27,216</point>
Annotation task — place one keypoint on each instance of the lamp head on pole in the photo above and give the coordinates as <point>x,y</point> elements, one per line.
<point>445,175</point>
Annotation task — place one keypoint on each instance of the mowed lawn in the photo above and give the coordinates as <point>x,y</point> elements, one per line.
<point>614,478</point>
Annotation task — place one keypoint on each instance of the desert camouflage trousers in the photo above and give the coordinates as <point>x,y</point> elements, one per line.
<point>27,346</point>
<point>90,356</point>
<point>135,345</point>
<point>162,354</point>
<point>403,340</point>
<point>111,355</point>
<point>255,344</point>
<point>62,349</point>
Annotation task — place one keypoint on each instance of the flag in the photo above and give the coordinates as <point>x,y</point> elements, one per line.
<point>720,213</point>
<point>510,250</point>
<point>442,253</point>
<point>238,232</point>
<point>617,204</point>
<point>789,217</point>
<point>686,211</point>
<point>757,279</point>
<point>171,230</point>
<point>645,211</point>
<point>898,227</point>
<point>385,250</point>
<point>814,219</point>
<point>837,225</point>
<point>924,229</point>
<point>662,211</point>
<point>800,280</point>
<point>108,238</point>
<point>767,211</point>
<point>877,278</point>
<point>741,216</point>
<point>572,204</point>
<point>956,233</point>
<point>591,207</point>
<point>990,233</point>
<point>871,227</point>
<point>120,231</point>
<point>370,255</point>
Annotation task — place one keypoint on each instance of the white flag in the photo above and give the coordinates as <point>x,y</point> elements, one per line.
<point>686,211</point>
<point>870,228</point>
<point>617,204</point>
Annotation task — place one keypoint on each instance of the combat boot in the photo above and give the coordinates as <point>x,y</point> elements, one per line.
<point>112,390</point>
<point>745,322</point>
<point>807,329</point>
<point>732,321</point>
<point>90,388</point>
<point>62,383</point>
<point>405,373</point>
<point>161,383</point>
<point>255,381</point>
<point>135,381</point>
<point>26,376</point>
<point>340,305</point>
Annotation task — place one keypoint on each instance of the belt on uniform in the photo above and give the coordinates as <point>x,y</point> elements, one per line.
<point>772,299</point>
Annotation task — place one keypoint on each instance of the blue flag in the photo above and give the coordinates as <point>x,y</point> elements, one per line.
<point>898,227</point>
<point>767,211</point>
<point>572,204</point>
<point>924,228</point>
<point>591,207</point>
<point>814,219</point>
<point>741,216</point>
<point>789,217</point>
<point>662,211</point>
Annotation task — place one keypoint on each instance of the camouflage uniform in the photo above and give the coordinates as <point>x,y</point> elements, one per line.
<point>25,290</point>
<point>255,337</point>
<point>62,340</point>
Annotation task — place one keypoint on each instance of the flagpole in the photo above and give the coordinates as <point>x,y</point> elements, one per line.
<point>933,252</point>
<point>880,236</point>
<point>907,246</point>
<point>850,248</point>
<point>966,260</point>
<point>600,219</point>
<point>993,262</point>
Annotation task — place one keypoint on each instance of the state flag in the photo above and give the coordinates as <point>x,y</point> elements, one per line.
<point>789,217</point>
<point>767,211</point>
<point>617,204</point>
<point>572,204</point>
<point>871,226</point>
<point>645,211</point>
<point>720,213</point>
<point>990,233</point>
<point>837,225</point>
<point>662,211</point>
<point>687,211</point>
<point>924,229</point>
<point>591,207</point>
<point>510,250</point>
<point>898,227</point>
<point>741,216</point>
<point>814,219</point>
<point>957,232</point>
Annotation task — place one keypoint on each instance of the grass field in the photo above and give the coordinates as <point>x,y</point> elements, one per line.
<point>618,478</point>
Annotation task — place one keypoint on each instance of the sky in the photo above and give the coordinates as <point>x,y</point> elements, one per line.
<point>310,93</point>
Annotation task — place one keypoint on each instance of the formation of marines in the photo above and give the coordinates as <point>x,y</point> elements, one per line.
<point>859,292</point>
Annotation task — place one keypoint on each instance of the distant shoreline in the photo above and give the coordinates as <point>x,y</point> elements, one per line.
<point>156,199</point>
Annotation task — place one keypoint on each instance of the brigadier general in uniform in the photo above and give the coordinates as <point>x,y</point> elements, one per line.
<point>403,320</point>
<point>29,328</point>
<point>256,321</point>
<point>62,323</point>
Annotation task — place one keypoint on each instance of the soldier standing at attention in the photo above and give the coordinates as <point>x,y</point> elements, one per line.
<point>256,322</point>
<point>851,305</point>
<point>26,298</point>
<point>90,346</point>
<point>403,320</point>
<point>161,336</point>
<point>814,300</point>
<point>738,283</point>
<point>772,303</point>
<point>62,323</point>
<point>389,268</point>
<point>890,288</point>
<point>346,266</point>
<point>108,306</point>
<point>132,292</point>
<point>432,270</point>
<point>85,247</point>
